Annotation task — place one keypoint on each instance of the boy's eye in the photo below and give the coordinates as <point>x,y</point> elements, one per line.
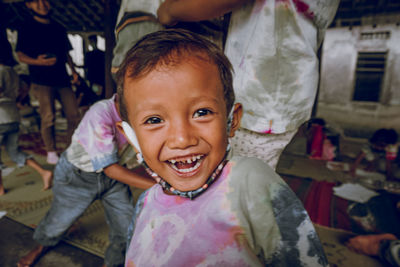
<point>202,112</point>
<point>153,120</point>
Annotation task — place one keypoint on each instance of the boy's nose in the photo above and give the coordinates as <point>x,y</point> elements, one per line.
<point>181,135</point>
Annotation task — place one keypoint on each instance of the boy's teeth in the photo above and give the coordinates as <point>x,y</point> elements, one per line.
<point>195,167</point>
<point>190,160</point>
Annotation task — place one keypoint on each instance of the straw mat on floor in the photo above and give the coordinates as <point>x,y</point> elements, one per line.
<point>25,202</point>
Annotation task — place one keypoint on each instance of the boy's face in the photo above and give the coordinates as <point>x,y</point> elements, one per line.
<point>179,115</point>
<point>41,7</point>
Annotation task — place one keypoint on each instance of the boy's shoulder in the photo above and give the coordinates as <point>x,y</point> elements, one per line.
<point>253,171</point>
<point>252,165</point>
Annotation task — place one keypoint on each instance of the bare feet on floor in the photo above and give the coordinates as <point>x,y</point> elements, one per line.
<point>32,256</point>
<point>47,177</point>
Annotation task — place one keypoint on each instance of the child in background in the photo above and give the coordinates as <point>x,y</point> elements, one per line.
<point>209,207</point>
<point>380,152</point>
<point>9,121</point>
<point>88,170</point>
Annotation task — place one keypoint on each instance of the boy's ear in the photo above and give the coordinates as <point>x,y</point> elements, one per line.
<point>121,130</point>
<point>127,131</point>
<point>237,116</point>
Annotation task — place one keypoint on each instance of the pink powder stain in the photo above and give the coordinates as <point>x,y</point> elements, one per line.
<point>227,170</point>
<point>161,240</point>
<point>179,200</point>
<point>269,131</point>
<point>303,8</point>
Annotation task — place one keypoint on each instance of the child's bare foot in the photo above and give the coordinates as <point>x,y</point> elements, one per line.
<point>2,190</point>
<point>47,177</point>
<point>32,256</point>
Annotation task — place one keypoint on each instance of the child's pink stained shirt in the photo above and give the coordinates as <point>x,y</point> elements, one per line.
<point>247,217</point>
<point>96,141</point>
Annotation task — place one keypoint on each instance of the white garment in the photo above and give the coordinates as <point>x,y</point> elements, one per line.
<point>9,86</point>
<point>267,147</point>
<point>272,46</point>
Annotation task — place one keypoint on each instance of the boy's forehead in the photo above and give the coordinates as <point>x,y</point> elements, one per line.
<point>173,61</point>
<point>202,64</point>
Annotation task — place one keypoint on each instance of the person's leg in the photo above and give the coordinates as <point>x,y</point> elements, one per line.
<point>33,255</point>
<point>267,147</point>
<point>72,194</point>
<point>71,111</point>
<point>47,176</point>
<point>45,95</point>
<point>21,158</point>
<point>118,207</point>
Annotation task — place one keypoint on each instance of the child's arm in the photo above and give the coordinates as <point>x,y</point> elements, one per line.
<point>172,11</point>
<point>357,162</point>
<point>126,176</point>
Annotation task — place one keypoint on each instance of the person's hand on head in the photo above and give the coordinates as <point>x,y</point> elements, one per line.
<point>164,16</point>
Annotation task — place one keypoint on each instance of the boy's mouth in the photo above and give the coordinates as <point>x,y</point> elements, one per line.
<point>186,165</point>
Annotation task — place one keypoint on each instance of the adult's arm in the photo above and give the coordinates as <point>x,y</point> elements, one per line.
<point>172,11</point>
<point>75,75</point>
<point>126,176</point>
<point>41,60</point>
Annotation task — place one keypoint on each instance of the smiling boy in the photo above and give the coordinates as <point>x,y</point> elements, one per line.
<point>208,207</point>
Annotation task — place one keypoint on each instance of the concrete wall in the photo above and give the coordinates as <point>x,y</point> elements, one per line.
<point>338,65</point>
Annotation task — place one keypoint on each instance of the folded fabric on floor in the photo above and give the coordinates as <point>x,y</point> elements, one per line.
<point>378,215</point>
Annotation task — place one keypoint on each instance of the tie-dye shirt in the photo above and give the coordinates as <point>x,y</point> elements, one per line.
<point>96,142</point>
<point>247,217</point>
<point>272,46</point>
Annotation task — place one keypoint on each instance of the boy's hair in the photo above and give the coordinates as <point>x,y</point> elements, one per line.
<point>384,137</point>
<point>168,48</point>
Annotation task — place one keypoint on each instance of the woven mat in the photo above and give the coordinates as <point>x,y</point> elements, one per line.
<point>25,202</point>
<point>337,253</point>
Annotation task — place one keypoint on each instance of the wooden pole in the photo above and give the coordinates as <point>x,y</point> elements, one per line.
<point>109,15</point>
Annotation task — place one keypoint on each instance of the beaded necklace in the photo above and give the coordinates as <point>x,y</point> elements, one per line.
<point>188,194</point>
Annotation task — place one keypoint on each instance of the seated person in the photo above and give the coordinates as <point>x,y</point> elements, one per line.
<point>380,152</point>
